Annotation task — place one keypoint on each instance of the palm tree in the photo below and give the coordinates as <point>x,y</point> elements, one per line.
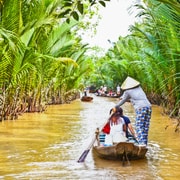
<point>33,45</point>
<point>150,54</point>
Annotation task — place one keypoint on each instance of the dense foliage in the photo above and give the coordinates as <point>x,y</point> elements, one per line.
<point>42,60</point>
<point>150,54</point>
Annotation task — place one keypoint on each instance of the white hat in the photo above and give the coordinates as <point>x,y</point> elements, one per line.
<point>129,83</point>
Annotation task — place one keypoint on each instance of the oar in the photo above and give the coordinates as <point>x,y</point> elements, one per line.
<point>134,137</point>
<point>85,153</point>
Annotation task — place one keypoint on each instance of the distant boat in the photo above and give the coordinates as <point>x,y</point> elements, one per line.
<point>107,95</point>
<point>86,98</point>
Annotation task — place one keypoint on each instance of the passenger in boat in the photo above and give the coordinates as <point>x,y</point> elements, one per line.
<point>118,89</point>
<point>117,130</point>
<point>105,89</point>
<point>85,92</point>
<point>132,91</point>
<point>110,92</point>
<point>129,129</point>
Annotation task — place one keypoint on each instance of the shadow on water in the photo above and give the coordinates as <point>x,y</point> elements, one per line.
<point>48,145</point>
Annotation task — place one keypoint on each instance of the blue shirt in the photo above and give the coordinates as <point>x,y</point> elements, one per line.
<point>127,121</point>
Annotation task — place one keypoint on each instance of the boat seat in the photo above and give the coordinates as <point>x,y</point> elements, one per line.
<point>102,138</point>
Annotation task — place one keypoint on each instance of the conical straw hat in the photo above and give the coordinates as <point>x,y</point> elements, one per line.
<point>129,83</point>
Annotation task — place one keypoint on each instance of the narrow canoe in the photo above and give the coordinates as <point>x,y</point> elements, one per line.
<point>86,98</point>
<point>120,151</point>
<point>105,95</point>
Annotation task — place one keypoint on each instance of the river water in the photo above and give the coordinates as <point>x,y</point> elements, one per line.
<point>47,145</point>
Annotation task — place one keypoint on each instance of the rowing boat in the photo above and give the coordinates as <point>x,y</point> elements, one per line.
<point>106,95</point>
<point>121,151</point>
<point>86,98</point>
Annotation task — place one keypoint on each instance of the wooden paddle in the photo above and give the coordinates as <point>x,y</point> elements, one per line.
<point>85,153</point>
<point>133,137</point>
<point>136,139</point>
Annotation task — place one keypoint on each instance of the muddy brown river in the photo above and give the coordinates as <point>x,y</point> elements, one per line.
<point>47,145</point>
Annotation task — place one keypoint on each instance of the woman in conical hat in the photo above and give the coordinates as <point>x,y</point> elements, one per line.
<point>129,83</point>
<point>135,94</point>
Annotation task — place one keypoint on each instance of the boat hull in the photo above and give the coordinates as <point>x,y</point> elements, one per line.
<point>87,98</point>
<point>120,151</point>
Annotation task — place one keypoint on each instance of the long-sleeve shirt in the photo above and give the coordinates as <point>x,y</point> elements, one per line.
<point>136,96</point>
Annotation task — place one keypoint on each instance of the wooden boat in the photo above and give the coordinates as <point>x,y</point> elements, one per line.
<point>86,98</point>
<point>106,95</point>
<point>121,151</point>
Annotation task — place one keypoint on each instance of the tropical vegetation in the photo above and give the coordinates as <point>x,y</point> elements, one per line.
<point>43,60</point>
<point>150,54</point>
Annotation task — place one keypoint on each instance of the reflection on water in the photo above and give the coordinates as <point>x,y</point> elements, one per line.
<point>48,145</point>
